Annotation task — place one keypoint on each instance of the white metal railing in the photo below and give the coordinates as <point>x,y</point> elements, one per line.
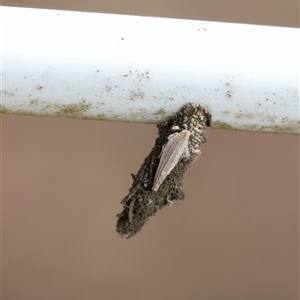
<point>143,69</point>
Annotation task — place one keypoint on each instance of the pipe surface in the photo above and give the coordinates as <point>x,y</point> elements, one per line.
<point>143,69</point>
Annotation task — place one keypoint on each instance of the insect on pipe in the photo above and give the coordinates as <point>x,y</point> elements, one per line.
<point>159,180</point>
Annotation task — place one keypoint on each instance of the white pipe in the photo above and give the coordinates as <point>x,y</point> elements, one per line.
<point>130,68</point>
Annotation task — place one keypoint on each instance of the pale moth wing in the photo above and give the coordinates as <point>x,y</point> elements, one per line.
<point>170,156</point>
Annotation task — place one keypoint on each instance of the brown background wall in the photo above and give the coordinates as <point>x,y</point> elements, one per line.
<point>235,236</point>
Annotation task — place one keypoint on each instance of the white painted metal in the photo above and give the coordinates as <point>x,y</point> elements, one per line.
<point>142,69</point>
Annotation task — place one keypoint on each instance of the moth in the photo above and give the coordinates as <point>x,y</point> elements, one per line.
<point>172,152</point>
<point>159,180</point>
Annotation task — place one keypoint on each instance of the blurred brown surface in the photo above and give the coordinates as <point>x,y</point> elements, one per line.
<point>264,12</point>
<point>235,236</point>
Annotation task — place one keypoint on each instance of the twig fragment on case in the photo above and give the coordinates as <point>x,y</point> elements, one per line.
<point>159,180</point>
